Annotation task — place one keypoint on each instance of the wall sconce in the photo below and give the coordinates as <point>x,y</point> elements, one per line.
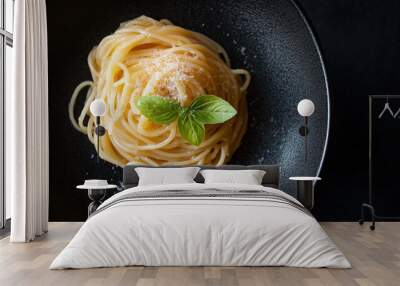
<point>98,109</point>
<point>306,109</point>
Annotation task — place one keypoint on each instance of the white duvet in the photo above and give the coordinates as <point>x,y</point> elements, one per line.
<point>200,231</point>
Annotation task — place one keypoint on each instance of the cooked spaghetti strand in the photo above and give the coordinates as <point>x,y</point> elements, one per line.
<point>145,56</point>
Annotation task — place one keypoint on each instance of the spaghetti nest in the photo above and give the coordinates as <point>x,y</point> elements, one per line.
<point>145,56</point>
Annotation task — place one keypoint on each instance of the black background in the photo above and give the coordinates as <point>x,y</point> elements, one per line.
<point>360,41</point>
<point>360,44</point>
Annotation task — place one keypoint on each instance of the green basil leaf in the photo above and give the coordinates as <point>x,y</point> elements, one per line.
<point>158,109</point>
<point>211,109</point>
<point>190,129</point>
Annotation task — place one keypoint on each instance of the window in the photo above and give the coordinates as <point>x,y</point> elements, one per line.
<point>6,63</point>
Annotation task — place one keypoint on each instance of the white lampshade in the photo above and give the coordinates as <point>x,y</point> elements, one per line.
<point>98,107</point>
<point>305,107</point>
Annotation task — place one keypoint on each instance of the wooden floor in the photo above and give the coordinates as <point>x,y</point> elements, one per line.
<point>375,257</point>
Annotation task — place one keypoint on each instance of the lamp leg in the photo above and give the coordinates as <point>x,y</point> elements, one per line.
<point>98,149</point>
<point>305,138</point>
<point>98,138</point>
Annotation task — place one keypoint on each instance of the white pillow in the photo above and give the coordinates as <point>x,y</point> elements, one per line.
<point>248,177</point>
<point>166,176</point>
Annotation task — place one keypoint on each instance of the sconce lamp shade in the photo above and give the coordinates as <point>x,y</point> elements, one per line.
<point>98,107</point>
<point>305,107</point>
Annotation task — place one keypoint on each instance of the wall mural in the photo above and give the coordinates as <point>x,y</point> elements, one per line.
<point>216,83</point>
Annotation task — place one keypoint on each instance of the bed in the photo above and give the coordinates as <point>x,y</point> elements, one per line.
<point>197,224</point>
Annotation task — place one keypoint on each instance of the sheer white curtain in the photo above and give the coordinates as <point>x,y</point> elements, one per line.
<point>27,124</point>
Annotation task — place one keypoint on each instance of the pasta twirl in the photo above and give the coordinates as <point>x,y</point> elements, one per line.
<point>145,56</point>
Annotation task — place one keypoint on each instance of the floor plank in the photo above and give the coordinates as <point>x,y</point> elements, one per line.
<point>375,256</point>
